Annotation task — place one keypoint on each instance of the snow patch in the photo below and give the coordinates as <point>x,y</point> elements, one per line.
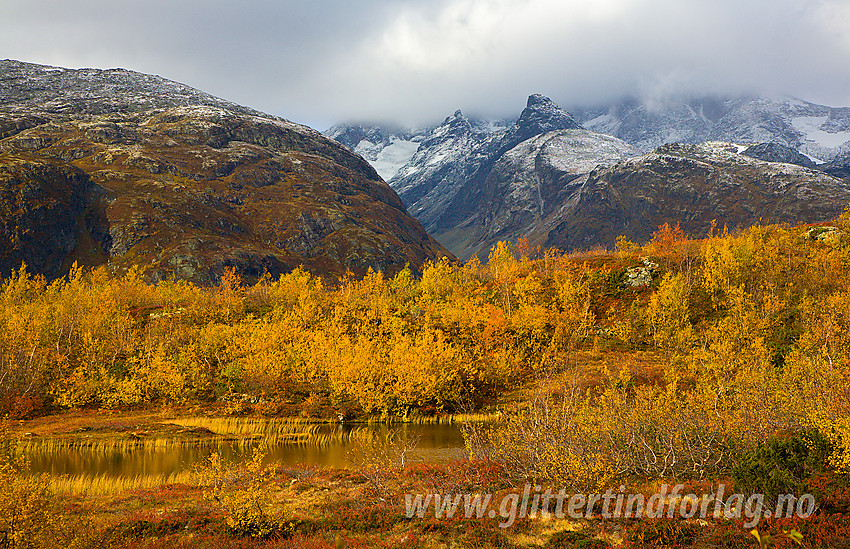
<point>810,127</point>
<point>388,160</point>
<point>812,158</point>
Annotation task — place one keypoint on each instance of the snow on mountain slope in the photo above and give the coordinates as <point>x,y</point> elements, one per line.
<point>535,179</point>
<point>444,161</point>
<point>387,159</point>
<point>386,148</point>
<point>812,128</point>
<point>470,187</point>
<point>817,130</point>
<point>443,183</point>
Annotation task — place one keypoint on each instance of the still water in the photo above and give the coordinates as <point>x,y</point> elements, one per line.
<point>434,443</point>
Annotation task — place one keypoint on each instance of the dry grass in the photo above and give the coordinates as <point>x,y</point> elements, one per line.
<point>101,485</point>
<point>276,431</point>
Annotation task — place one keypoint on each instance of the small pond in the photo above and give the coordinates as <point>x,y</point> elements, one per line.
<point>329,445</point>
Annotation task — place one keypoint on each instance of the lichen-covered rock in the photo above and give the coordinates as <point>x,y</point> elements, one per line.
<point>643,275</point>
<point>823,234</point>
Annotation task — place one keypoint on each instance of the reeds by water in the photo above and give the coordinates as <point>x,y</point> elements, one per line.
<point>277,431</point>
<point>106,484</point>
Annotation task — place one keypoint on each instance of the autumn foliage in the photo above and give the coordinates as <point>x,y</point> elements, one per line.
<point>750,334</point>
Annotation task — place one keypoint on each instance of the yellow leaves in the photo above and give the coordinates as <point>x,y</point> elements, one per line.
<point>529,289</point>
<point>837,431</point>
<point>742,322</point>
<point>439,282</point>
<point>625,246</point>
<point>244,492</point>
<point>667,314</point>
<point>501,260</point>
<point>29,515</point>
<point>574,317</point>
<point>828,320</point>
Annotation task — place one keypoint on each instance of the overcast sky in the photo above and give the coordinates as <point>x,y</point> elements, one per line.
<point>414,61</point>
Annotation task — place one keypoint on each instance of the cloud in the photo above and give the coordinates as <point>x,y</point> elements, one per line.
<point>413,61</point>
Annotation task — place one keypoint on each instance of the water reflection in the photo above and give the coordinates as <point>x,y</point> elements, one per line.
<point>436,442</point>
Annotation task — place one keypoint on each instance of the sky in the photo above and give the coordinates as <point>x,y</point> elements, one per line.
<point>320,62</point>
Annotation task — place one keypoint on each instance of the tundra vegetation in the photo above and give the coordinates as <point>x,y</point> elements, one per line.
<point>724,359</point>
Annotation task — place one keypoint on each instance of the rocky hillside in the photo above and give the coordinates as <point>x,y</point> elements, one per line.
<point>120,168</point>
<point>692,185</point>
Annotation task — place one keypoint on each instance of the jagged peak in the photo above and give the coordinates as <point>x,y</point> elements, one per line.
<point>457,116</point>
<point>538,99</point>
<point>541,115</point>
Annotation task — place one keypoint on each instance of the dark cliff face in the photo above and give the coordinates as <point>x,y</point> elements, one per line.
<point>41,203</point>
<point>185,184</point>
<point>693,185</point>
<point>777,152</point>
<point>839,166</point>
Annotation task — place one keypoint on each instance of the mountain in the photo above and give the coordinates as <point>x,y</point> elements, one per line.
<point>818,131</point>
<point>535,180</point>
<point>386,148</point>
<point>444,183</point>
<point>120,168</point>
<point>450,155</point>
<point>692,185</point>
<point>389,147</point>
<point>471,188</point>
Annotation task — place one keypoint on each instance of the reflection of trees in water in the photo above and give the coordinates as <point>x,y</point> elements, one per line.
<point>437,442</point>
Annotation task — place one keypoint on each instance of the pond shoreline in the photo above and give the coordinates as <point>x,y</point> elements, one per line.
<point>161,444</point>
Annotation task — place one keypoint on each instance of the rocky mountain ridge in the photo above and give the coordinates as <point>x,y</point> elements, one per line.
<point>389,147</point>
<point>693,185</point>
<point>136,169</point>
<point>818,131</point>
<point>443,184</point>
